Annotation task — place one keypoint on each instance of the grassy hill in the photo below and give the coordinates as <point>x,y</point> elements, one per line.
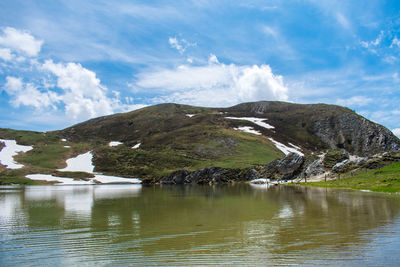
<point>174,136</point>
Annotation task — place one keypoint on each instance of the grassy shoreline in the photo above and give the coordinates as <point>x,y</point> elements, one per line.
<point>386,179</point>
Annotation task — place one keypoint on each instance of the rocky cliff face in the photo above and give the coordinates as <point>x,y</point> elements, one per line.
<point>321,126</point>
<point>355,134</point>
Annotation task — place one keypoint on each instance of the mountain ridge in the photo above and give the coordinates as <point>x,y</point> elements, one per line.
<point>161,139</point>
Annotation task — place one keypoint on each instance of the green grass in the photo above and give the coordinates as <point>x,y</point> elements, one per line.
<point>17,180</point>
<point>386,179</point>
<point>218,148</point>
<point>75,175</point>
<point>49,156</point>
<point>27,137</point>
<point>251,150</point>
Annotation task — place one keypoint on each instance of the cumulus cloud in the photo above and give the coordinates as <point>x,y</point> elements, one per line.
<point>13,85</point>
<point>396,132</point>
<point>216,83</point>
<point>358,101</point>
<point>5,54</point>
<point>27,94</point>
<point>20,41</point>
<point>66,87</point>
<point>83,94</point>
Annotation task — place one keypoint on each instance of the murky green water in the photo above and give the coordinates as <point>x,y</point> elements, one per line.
<point>197,225</point>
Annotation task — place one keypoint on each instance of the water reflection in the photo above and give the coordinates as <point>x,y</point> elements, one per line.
<point>131,224</point>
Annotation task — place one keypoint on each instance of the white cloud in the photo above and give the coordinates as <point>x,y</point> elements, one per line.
<point>374,43</point>
<point>20,41</point>
<point>216,84</point>
<point>180,45</point>
<point>67,91</point>
<point>84,96</point>
<point>28,94</point>
<point>358,101</point>
<point>31,96</point>
<point>13,85</point>
<point>396,132</point>
<point>77,79</point>
<point>395,42</point>
<point>77,91</point>
<point>175,44</point>
<point>5,54</point>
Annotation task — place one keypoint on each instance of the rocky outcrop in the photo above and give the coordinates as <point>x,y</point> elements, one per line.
<point>211,175</point>
<point>318,127</point>
<point>286,168</point>
<point>355,134</point>
<point>291,167</point>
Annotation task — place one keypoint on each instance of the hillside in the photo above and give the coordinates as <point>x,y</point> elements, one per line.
<point>157,140</point>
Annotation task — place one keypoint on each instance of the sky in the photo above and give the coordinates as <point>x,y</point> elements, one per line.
<point>63,62</point>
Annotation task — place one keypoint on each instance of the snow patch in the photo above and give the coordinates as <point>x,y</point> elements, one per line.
<point>59,180</point>
<point>190,115</point>
<point>258,121</point>
<point>298,148</point>
<point>247,129</point>
<point>64,140</point>
<point>136,146</point>
<point>115,143</point>
<point>285,149</point>
<point>81,163</point>
<point>9,151</point>
<point>104,179</point>
<point>67,146</point>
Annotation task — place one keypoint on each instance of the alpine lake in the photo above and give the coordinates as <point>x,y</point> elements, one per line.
<point>240,225</point>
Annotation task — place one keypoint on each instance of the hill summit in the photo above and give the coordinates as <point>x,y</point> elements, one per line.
<point>157,140</point>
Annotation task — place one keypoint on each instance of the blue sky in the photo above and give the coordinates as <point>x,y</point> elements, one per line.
<point>62,62</point>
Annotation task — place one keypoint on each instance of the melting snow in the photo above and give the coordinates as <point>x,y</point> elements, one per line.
<point>136,146</point>
<point>298,148</point>
<point>285,149</point>
<point>64,140</point>
<point>9,151</point>
<point>190,115</point>
<point>81,163</point>
<point>115,143</point>
<point>60,180</point>
<point>67,146</point>
<point>247,129</point>
<point>114,179</point>
<point>104,179</point>
<point>257,121</point>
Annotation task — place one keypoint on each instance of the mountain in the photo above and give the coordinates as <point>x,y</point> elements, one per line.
<point>158,140</point>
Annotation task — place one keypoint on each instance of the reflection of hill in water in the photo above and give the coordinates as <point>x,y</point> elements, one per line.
<point>214,223</point>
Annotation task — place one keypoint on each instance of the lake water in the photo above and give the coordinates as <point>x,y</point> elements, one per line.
<point>197,225</point>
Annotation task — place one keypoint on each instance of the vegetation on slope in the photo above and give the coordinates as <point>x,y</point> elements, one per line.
<point>171,140</point>
<point>386,179</point>
<point>48,154</point>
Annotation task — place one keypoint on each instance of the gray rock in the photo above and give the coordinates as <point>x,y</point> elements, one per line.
<point>355,134</point>
<point>285,168</point>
